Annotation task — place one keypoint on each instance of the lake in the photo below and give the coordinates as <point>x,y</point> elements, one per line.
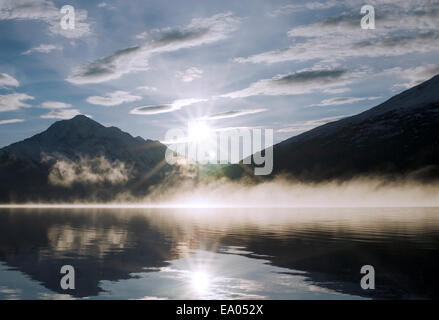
<point>204,253</point>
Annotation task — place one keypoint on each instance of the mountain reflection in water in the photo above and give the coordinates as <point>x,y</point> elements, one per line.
<point>219,253</point>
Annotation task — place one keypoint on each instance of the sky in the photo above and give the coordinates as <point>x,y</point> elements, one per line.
<point>150,66</point>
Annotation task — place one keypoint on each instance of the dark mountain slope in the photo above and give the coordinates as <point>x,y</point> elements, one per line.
<point>79,159</point>
<point>397,138</point>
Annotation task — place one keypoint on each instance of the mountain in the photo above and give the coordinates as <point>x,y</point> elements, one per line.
<point>398,138</point>
<point>79,159</point>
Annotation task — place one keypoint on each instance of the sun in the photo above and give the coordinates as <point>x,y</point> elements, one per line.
<point>198,130</point>
<point>200,282</point>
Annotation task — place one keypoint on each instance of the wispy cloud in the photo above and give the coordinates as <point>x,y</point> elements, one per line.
<point>55,105</point>
<point>113,98</point>
<point>8,81</point>
<point>403,29</point>
<point>106,6</point>
<point>190,74</point>
<point>154,109</point>
<point>336,90</point>
<point>61,114</point>
<point>413,76</point>
<point>14,101</point>
<point>43,48</point>
<point>300,82</point>
<point>342,100</point>
<point>7,121</point>
<point>231,114</point>
<point>133,59</point>
<point>312,5</point>
<point>302,126</point>
<point>142,35</point>
<point>164,108</point>
<point>146,88</point>
<point>58,110</point>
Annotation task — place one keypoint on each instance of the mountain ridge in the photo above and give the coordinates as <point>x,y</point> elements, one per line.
<point>83,149</point>
<point>431,85</point>
<point>64,135</point>
<point>397,138</point>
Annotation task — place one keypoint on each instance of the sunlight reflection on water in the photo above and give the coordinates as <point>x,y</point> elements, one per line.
<point>201,253</point>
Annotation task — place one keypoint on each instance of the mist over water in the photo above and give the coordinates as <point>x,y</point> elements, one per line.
<point>84,182</point>
<point>203,238</point>
<point>280,192</point>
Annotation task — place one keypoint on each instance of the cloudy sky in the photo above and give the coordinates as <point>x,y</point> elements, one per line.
<point>149,66</point>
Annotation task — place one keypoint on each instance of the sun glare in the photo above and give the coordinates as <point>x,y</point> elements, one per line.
<point>200,282</point>
<point>198,130</point>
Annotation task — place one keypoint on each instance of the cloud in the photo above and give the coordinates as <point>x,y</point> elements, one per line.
<point>154,109</point>
<point>146,88</point>
<point>300,82</point>
<point>190,74</point>
<point>86,170</point>
<point>113,98</point>
<point>319,122</point>
<point>310,124</point>
<point>134,59</point>
<point>414,76</point>
<point>142,35</point>
<point>341,100</point>
<point>14,101</point>
<point>336,90</point>
<point>295,8</point>
<point>47,12</point>
<point>231,114</point>
<point>401,29</point>
<point>164,108</point>
<point>62,114</point>
<point>106,6</point>
<point>11,121</point>
<point>59,110</point>
<point>293,129</point>
<point>43,48</point>
<point>341,47</point>
<point>55,105</point>
<point>8,81</point>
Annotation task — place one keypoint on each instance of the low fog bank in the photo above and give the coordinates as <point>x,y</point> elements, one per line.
<point>279,192</point>
<point>282,192</point>
<point>103,181</point>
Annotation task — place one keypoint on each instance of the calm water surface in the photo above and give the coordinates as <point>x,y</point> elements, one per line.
<point>219,253</point>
